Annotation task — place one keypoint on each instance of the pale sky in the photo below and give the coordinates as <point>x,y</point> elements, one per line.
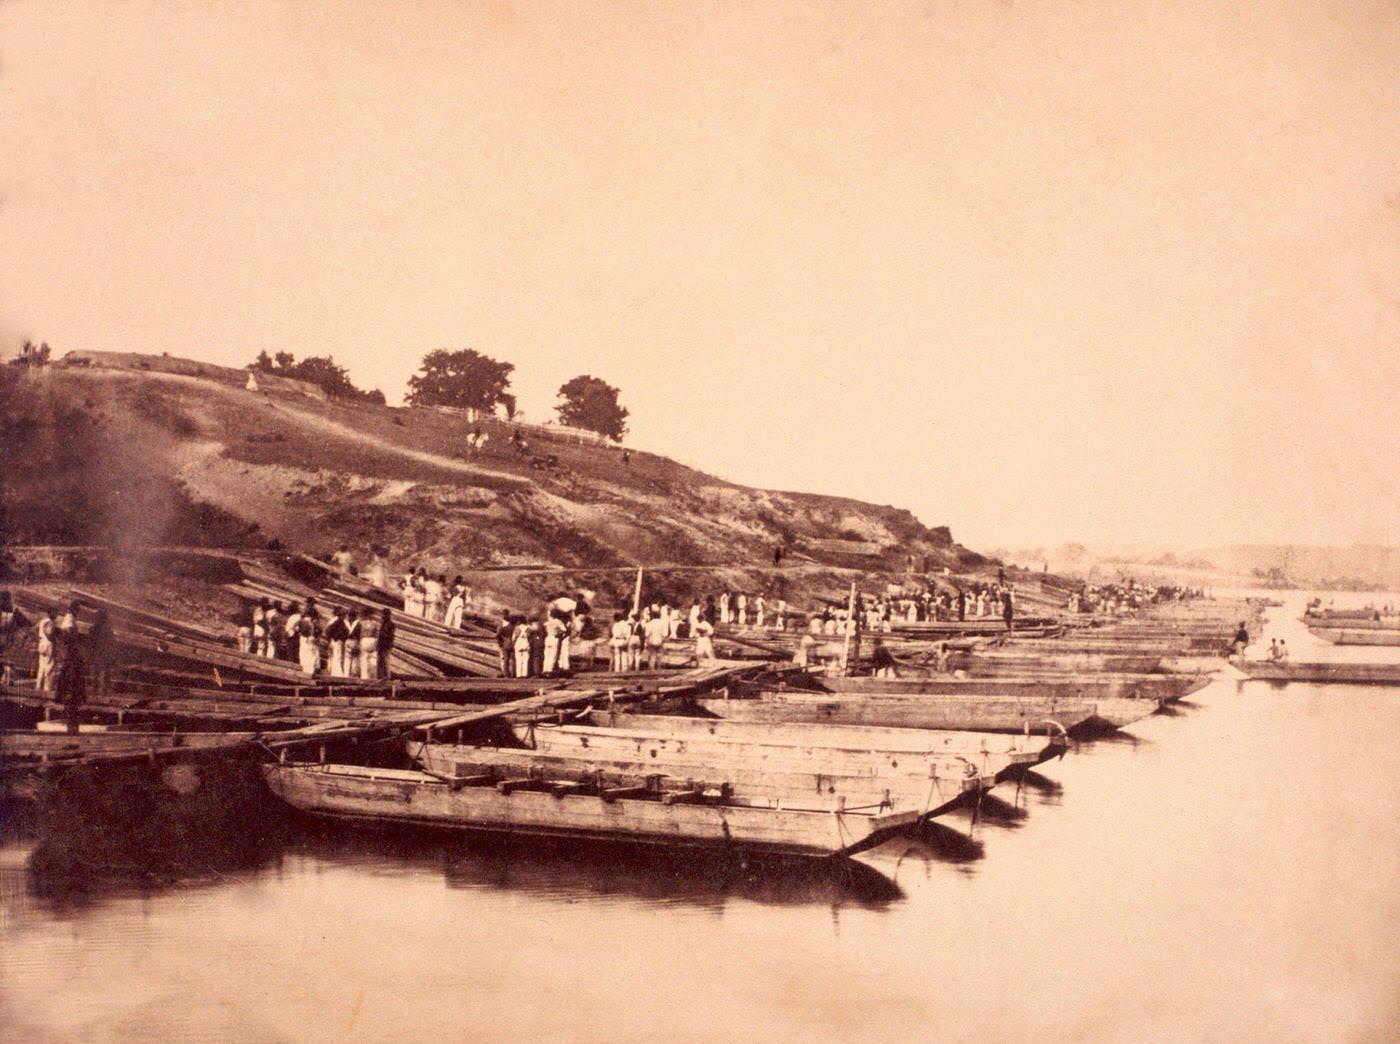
<point>1112,272</point>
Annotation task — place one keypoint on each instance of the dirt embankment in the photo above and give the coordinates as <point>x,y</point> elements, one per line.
<point>122,458</point>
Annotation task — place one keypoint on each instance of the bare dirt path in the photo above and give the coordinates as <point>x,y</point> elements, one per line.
<point>322,424</point>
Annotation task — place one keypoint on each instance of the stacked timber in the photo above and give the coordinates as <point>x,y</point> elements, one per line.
<point>146,637</point>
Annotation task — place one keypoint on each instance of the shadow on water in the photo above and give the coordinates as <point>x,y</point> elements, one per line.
<point>1117,738</point>
<point>571,867</point>
<point>143,829</point>
<point>1033,780</point>
<point>999,811</point>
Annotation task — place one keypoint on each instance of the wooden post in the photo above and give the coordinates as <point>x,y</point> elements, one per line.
<point>849,628</point>
<point>637,595</point>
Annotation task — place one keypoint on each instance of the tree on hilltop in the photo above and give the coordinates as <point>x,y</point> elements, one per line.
<point>465,379</point>
<point>591,403</point>
<point>320,370</point>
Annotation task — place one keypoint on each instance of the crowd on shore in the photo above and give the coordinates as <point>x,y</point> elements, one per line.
<point>1127,596</point>
<point>354,643</point>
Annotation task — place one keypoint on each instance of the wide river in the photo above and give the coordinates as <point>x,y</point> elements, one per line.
<point>1230,871</point>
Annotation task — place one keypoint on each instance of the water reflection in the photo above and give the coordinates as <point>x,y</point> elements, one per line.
<point>588,869</point>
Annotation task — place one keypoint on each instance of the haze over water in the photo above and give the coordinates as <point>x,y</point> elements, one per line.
<point>1225,872</point>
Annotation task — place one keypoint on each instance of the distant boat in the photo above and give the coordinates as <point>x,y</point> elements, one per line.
<point>569,808</point>
<point>1349,623</point>
<point>1350,636</point>
<point>1166,687</point>
<point>937,710</point>
<point>1338,673</point>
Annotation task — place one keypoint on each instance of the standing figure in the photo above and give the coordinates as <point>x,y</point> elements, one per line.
<point>704,641</point>
<point>70,673</point>
<point>12,625</point>
<point>617,643</point>
<point>43,639</point>
<point>505,642</point>
<point>369,647</point>
<point>100,644</point>
<point>384,647</point>
<point>655,637</point>
<point>337,633</point>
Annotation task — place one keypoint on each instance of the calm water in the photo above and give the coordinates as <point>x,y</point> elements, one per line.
<point>1228,872</point>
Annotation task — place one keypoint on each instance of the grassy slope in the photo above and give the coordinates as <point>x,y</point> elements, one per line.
<point>178,459</point>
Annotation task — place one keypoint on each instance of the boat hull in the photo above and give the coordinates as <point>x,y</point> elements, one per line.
<point>1016,714</point>
<point>400,796</point>
<point>762,785</point>
<point>1322,673</point>
<point>1349,636</point>
<point>786,749</point>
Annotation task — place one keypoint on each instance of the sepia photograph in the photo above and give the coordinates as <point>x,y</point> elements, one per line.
<point>699,520</point>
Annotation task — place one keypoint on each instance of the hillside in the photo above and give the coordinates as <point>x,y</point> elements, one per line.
<point>140,454</point>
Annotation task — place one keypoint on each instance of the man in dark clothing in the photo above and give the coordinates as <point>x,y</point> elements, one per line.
<point>1006,611</point>
<point>962,605</point>
<point>12,626</point>
<point>99,643</point>
<point>886,666</point>
<point>535,632</point>
<point>385,642</point>
<point>505,633</point>
<point>69,670</point>
<point>1241,640</point>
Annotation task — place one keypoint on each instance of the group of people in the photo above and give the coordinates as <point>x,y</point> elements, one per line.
<point>539,646</point>
<point>1127,596</point>
<point>432,597</point>
<point>347,643</point>
<point>65,653</point>
<point>738,608</point>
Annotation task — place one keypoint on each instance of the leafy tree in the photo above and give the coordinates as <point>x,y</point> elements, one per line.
<point>465,379</point>
<point>591,403</point>
<point>320,370</point>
